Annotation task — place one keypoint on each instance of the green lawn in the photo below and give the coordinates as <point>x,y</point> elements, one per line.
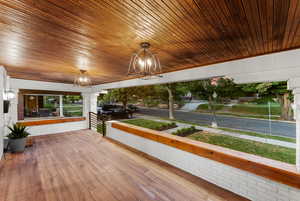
<point>258,109</point>
<point>273,117</point>
<point>245,110</point>
<point>155,125</point>
<point>184,122</point>
<point>286,139</point>
<point>72,110</point>
<point>205,107</point>
<point>274,152</point>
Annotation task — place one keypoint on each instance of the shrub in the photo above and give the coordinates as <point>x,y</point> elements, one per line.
<point>186,131</point>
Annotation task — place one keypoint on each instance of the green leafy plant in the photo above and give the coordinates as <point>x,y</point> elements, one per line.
<point>17,131</point>
<point>185,131</point>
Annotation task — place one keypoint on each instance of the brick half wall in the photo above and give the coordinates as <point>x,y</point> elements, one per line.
<point>241,182</point>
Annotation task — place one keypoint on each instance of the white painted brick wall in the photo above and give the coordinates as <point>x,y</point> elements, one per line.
<point>56,128</point>
<point>238,181</point>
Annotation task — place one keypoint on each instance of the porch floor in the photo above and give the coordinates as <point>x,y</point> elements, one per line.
<point>82,165</point>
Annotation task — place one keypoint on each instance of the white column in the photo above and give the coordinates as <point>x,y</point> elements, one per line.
<point>294,108</point>
<point>61,107</point>
<point>294,85</point>
<point>297,110</point>
<point>89,104</point>
<point>13,109</point>
<point>2,79</point>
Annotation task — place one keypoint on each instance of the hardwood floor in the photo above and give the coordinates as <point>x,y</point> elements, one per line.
<point>82,165</point>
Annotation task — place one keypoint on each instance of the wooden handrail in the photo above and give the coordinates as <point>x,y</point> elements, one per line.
<point>271,169</point>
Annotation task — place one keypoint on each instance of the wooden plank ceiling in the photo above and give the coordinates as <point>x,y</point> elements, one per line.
<point>51,39</point>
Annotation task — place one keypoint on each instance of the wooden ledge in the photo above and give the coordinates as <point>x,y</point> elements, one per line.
<point>50,121</point>
<point>275,170</point>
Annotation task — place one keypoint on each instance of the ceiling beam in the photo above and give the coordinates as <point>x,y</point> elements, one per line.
<point>49,86</point>
<point>272,67</point>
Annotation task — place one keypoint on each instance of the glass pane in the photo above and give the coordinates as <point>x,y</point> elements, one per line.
<point>72,105</point>
<point>41,106</point>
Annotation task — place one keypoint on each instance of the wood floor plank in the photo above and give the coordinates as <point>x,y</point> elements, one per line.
<point>83,166</point>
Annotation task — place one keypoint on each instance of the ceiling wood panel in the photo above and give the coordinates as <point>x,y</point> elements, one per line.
<point>51,40</point>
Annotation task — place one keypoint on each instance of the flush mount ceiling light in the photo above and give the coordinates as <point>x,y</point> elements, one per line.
<point>144,63</point>
<point>83,79</point>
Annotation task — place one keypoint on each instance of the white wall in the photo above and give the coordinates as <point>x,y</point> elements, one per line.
<point>243,183</point>
<point>56,128</point>
<point>89,103</point>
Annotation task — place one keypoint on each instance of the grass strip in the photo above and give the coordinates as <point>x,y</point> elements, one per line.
<point>155,125</point>
<point>274,152</point>
<point>274,137</point>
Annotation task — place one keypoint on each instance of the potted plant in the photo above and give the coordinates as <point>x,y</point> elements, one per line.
<point>17,137</point>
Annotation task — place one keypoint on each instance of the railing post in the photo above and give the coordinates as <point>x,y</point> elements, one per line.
<point>103,126</point>
<point>90,121</point>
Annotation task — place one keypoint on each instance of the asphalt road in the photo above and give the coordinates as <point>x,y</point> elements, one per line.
<point>256,125</point>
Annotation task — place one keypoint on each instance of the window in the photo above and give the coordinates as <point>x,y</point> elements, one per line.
<point>38,106</point>
<point>41,106</point>
<point>72,106</point>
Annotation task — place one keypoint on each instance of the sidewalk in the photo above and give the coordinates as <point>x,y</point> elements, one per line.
<point>218,131</point>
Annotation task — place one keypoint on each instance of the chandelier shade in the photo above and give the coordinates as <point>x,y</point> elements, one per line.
<point>82,79</point>
<point>144,63</point>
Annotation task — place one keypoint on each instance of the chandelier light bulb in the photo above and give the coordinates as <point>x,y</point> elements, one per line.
<point>149,62</point>
<point>141,62</point>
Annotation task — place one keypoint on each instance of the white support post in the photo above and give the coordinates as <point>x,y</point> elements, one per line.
<point>294,84</point>
<point>13,110</point>
<point>61,107</point>
<point>89,104</point>
<point>297,110</point>
<point>2,89</point>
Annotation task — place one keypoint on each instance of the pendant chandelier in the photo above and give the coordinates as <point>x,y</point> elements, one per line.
<point>82,79</point>
<point>144,63</point>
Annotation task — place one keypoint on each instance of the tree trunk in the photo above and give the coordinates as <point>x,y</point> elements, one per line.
<point>124,104</point>
<point>171,103</point>
<point>285,105</point>
<point>210,104</point>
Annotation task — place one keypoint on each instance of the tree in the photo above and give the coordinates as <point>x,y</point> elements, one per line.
<point>220,87</point>
<point>171,93</point>
<point>224,88</point>
<point>146,93</point>
<point>123,95</point>
<point>278,90</point>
